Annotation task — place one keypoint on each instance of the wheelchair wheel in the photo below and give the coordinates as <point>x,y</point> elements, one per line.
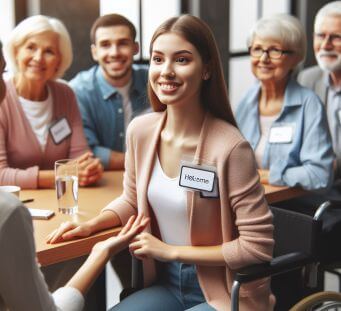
<point>322,301</point>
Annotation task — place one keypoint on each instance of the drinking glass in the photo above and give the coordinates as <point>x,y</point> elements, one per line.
<point>66,178</point>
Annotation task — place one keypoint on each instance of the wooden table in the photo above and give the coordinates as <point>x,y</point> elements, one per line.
<point>91,201</point>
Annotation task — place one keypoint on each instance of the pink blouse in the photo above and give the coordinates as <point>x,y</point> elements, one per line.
<point>21,156</point>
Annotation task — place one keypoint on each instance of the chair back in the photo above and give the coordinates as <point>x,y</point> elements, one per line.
<point>294,232</point>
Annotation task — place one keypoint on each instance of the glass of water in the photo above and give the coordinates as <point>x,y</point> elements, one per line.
<point>66,178</point>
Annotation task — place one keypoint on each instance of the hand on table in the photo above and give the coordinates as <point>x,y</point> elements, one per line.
<point>145,245</point>
<point>90,169</point>
<point>264,176</point>
<point>117,243</point>
<point>67,231</point>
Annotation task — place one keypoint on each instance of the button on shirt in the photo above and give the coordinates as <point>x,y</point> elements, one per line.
<point>308,159</point>
<point>102,109</point>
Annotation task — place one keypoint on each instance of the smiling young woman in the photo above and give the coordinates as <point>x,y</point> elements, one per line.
<point>196,237</point>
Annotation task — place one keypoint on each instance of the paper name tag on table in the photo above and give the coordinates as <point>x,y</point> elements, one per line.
<point>40,213</point>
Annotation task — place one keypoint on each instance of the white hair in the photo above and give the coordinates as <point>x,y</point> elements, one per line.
<point>330,9</point>
<point>35,25</point>
<point>282,27</point>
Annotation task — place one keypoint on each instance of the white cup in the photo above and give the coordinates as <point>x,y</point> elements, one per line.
<point>11,189</point>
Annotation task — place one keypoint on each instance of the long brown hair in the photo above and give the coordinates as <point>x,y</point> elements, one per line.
<point>213,93</point>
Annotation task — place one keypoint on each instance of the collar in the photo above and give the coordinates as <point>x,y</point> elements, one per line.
<point>138,85</point>
<point>327,81</point>
<point>292,95</point>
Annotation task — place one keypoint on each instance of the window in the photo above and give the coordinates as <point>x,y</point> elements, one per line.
<point>7,19</point>
<point>146,15</point>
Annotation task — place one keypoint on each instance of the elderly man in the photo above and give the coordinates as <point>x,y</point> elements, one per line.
<point>111,93</point>
<point>325,80</point>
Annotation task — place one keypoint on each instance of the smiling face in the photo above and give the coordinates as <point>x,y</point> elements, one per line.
<point>328,52</point>
<point>38,58</point>
<point>272,70</point>
<point>114,50</point>
<point>176,70</point>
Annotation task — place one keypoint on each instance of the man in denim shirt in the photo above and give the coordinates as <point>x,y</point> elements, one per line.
<point>111,93</point>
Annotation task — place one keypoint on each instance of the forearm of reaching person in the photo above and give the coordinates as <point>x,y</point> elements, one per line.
<point>89,271</point>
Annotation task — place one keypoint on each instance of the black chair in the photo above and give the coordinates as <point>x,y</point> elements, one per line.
<point>329,251</point>
<point>296,238</point>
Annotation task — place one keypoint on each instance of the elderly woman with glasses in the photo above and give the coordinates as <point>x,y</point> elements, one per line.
<point>39,118</point>
<point>285,123</point>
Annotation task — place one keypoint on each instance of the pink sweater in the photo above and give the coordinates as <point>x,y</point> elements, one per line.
<point>21,156</point>
<point>239,219</point>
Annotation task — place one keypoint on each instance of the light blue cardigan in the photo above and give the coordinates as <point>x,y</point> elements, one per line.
<point>308,160</point>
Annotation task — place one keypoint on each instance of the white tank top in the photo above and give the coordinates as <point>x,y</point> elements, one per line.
<point>169,203</point>
<point>39,115</point>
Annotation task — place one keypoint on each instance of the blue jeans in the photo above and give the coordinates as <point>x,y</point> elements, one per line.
<point>177,289</point>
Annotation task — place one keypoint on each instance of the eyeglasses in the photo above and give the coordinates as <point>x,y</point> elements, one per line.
<point>334,38</point>
<point>272,53</point>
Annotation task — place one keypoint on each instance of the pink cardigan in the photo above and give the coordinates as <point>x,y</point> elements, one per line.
<point>239,220</point>
<point>20,154</point>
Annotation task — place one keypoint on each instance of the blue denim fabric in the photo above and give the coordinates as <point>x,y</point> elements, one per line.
<point>306,161</point>
<point>101,107</point>
<point>178,289</point>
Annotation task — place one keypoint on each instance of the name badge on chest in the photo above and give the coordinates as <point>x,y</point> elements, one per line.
<point>60,130</point>
<point>281,134</point>
<point>196,178</point>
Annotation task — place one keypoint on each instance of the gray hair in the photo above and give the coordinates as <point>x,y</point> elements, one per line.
<point>36,25</point>
<point>330,9</point>
<point>282,27</point>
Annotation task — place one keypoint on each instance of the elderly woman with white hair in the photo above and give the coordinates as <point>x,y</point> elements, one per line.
<point>39,118</point>
<point>285,123</point>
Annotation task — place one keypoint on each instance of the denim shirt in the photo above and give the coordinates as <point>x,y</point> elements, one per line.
<point>307,160</point>
<point>101,106</point>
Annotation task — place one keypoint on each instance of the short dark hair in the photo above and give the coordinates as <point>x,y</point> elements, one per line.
<point>111,20</point>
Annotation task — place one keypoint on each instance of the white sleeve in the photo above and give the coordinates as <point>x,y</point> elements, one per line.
<point>68,299</point>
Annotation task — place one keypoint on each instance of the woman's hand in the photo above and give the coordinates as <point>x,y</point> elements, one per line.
<point>146,245</point>
<point>90,169</point>
<point>264,176</point>
<point>117,243</point>
<point>68,231</point>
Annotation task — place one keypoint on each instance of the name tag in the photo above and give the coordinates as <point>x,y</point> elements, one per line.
<point>197,179</point>
<point>60,130</point>
<point>281,134</point>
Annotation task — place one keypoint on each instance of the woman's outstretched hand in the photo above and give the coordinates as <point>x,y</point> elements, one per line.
<point>115,244</point>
